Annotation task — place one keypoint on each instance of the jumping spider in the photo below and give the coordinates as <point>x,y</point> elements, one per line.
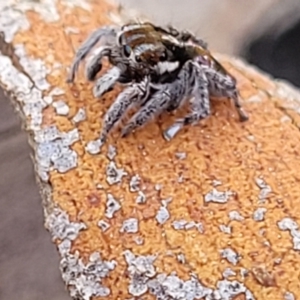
<point>162,68</point>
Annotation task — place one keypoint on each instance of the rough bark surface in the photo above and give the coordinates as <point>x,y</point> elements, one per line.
<point>212,214</point>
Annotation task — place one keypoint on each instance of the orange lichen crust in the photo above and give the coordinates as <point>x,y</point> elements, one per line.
<point>212,201</point>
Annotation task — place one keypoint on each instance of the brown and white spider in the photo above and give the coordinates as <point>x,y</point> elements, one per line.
<point>162,68</point>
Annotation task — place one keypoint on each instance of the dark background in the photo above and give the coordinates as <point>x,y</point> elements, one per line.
<point>28,260</point>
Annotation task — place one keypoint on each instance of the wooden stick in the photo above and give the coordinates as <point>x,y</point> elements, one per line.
<point>214,211</point>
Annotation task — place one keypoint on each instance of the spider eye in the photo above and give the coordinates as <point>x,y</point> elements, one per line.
<point>126,50</point>
<point>138,59</point>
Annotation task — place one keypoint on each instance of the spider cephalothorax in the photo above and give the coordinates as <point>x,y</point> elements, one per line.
<point>162,67</point>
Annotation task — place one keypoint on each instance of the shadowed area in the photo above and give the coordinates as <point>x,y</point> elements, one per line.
<point>28,259</point>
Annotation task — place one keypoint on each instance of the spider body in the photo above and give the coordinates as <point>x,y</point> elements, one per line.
<point>162,67</point>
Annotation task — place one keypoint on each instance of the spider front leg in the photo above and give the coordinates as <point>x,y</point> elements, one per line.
<point>133,95</point>
<point>87,45</point>
<point>94,65</point>
<point>221,85</point>
<point>154,106</point>
<point>106,82</point>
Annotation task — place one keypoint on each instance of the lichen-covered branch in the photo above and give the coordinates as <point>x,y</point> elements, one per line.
<point>211,214</point>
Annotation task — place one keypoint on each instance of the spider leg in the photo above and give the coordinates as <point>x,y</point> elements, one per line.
<point>133,95</point>
<point>156,105</point>
<point>94,65</point>
<point>106,82</point>
<point>200,102</point>
<point>87,45</point>
<point>225,86</point>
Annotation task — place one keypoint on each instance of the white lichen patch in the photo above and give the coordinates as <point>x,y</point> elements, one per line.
<point>228,290</point>
<point>144,278</point>
<point>13,13</point>
<point>230,255</point>
<point>162,215</point>
<point>186,225</point>
<point>234,215</point>
<point>35,68</point>
<point>228,273</point>
<point>57,91</point>
<point>140,269</point>
<point>130,225</point>
<point>259,214</point>
<point>216,183</point>
<point>84,281</point>
<point>60,226</point>
<point>265,189</point>
<point>290,225</point>
<point>141,198</point>
<point>181,155</point>
<point>103,225</point>
<point>111,152</point>
<point>113,174</point>
<point>112,206</point>
<point>94,147</point>
<point>217,197</point>
<point>134,184</point>
<point>138,240</point>
<point>289,296</point>
<point>53,150</point>
<point>181,258</point>
<point>61,107</point>
<point>79,116</point>
<point>225,229</point>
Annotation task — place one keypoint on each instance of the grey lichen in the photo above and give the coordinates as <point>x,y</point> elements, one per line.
<point>145,278</point>
<point>54,152</point>
<point>170,132</point>
<point>61,107</point>
<point>230,255</point>
<point>186,225</point>
<point>79,116</point>
<point>265,189</point>
<point>134,184</point>
<point>225,229</point>
<point>112,206</point>
<point>93,147</point>
<point>130,225</point>
<point>138,240</point>
<point>181,258</point>
<point>290,225</point>
<point>60,226</point>
<point>234,215</point>
<point>113,174</point>
<point>140,269</point>
<point>227,290</point>
<point>172,287</point>
<point>111,152</point>
<point>181,155</point>
<point>259,214</point>
<point>140,198</point>
<point>228,272</point>
<point>217,197</point>
<point>289,296</point>
<point>103,225</point>
<point>162,215</point>
<point>84,281</point>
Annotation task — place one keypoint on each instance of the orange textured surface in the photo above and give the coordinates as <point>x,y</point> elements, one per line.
<point>220,148</point>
